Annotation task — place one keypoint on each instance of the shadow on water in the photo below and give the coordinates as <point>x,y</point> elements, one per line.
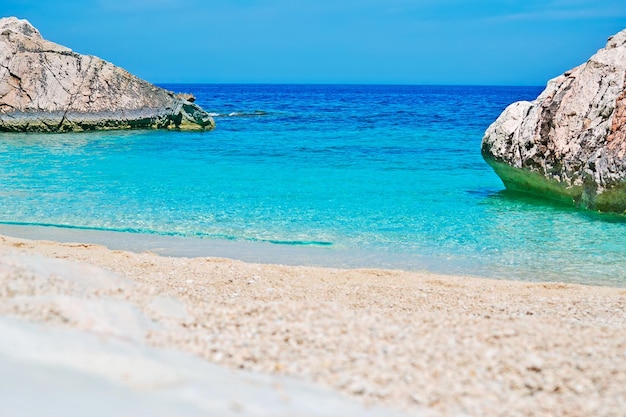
<point>530,202</point>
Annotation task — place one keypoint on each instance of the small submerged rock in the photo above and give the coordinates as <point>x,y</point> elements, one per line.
<point>46,87</point>
<point>570,143</point>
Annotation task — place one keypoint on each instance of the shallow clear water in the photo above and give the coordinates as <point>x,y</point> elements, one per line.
<point>392,173</point>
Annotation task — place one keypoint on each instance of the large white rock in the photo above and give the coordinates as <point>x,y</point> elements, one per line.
<point>70,347</point>
<point>48,87</point>
<point>569,143</point>
<point>56,372</point>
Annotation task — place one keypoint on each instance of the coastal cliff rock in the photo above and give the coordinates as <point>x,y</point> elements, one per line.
<point>46,87</point>
<point>570,143</point>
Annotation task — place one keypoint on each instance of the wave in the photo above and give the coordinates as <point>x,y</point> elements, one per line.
<point>148,231</point>
<point>255,113</point>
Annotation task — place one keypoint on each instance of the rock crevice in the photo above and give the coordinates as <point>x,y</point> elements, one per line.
<point>45,87</point>
<point>570,143</point>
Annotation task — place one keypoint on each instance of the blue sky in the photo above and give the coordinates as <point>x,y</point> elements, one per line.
<point>490,42</point>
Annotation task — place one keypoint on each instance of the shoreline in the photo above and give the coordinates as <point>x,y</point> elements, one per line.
<point>292,255</point>
<point>417,342</point>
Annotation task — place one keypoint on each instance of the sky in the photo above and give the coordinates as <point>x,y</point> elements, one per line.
<point>462,42</point>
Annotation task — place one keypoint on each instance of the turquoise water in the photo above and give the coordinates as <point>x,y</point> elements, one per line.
<point>390,173</point>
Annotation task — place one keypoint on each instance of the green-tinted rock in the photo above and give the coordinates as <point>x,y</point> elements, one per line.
<point>570,143</point>
<point>531,182</point>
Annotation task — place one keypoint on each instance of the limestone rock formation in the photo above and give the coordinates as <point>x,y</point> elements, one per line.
<point>46,87</point>
<point>569,143</point>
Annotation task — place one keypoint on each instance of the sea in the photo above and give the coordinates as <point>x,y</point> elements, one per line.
<point>371,176</point>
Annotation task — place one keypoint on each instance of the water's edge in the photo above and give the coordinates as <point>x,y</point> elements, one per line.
<point>194,247</point>
<point>270,253</point>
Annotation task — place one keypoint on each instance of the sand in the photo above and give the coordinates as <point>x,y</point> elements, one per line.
<point>414,343</point>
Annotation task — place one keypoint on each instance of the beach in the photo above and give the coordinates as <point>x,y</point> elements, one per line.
<point>412,343</point>
<point>405,232</point>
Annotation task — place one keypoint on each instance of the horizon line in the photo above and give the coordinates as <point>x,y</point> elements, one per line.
<point>344,84</point>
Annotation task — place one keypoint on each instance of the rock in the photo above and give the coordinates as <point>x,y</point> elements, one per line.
<point>46,87</point>
<point>570,143</point>
<point>75,373</point>
<point>186,96</point>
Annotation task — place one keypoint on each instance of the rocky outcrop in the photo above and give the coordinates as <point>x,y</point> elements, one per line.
<point>46,87</point>
<point>570,143</point>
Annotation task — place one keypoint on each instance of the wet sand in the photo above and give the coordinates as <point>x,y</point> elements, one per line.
<point>419,343</point>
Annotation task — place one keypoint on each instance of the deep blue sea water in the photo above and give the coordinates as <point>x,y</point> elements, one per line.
<point>392,174</point>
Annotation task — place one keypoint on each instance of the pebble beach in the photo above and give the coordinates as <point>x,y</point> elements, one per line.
<point>421,286</point>
<point>355,341</point>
